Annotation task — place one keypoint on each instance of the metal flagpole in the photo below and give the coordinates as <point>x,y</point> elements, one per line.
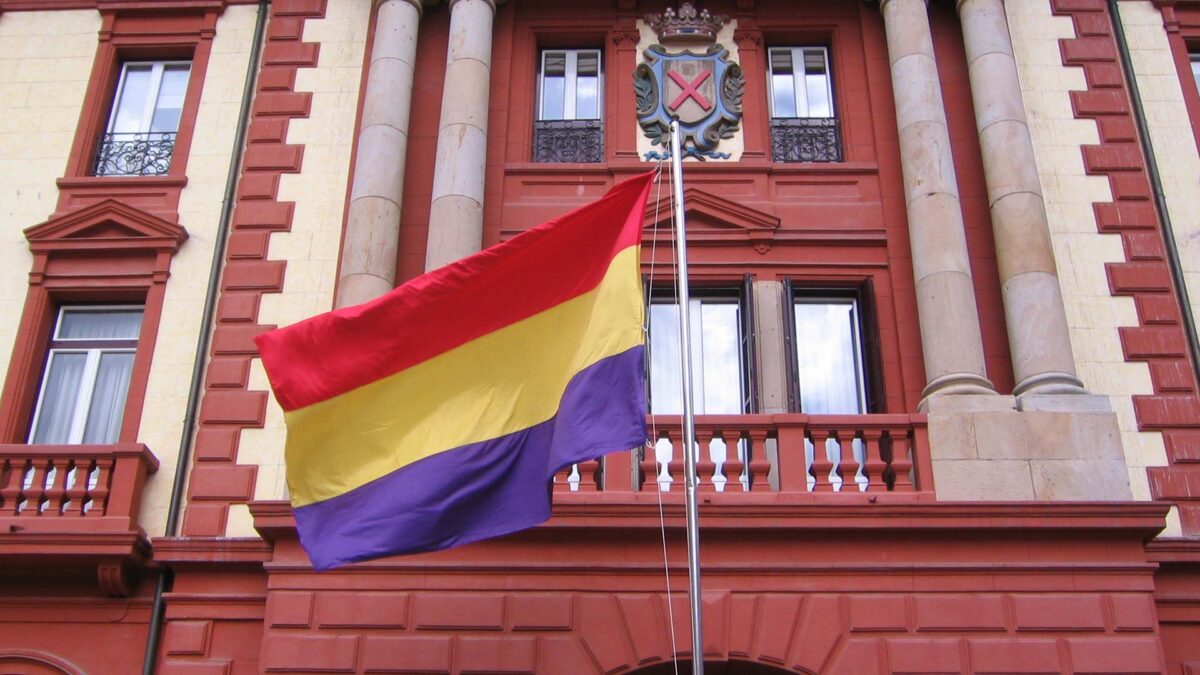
<point>689,420</point>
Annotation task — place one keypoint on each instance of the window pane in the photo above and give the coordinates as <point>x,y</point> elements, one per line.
<point>108,398</point>
<point>716,358</point>
<point>816,80</point>
<point>170,98</point>
<point>827,358</point>
<point>720,344</point>
<point>783,84</point>
<point>128,111</point>
<point>60,390</point>
<point>1196,69</point>
<point>109,324</point>
<point>554,78</point>
<point>665,387</point>
<point>587,86</point>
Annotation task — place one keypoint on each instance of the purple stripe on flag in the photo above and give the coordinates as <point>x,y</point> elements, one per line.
<point>485,489</point>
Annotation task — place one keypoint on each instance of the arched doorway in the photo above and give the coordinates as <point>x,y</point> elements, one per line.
<point>29,662</point>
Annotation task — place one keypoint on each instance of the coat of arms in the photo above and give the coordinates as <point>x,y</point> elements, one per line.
<point>703,90</point>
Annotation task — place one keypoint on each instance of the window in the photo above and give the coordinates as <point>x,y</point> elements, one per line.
<point>140,137</point>
<point>828,355</point>
<point>720,355</point>
<point>570,95</point>
<point>800,85</point>
<point>722,369</point>
<point>1195,59</point>
<point>803,123</point>
<point>570,85</point>
<point>86,377</point>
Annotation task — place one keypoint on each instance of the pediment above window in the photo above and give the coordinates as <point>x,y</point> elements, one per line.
<point>106,226</point>
<point>712,220</point>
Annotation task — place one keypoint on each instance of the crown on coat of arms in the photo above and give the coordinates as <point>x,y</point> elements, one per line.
<point>686,25</point>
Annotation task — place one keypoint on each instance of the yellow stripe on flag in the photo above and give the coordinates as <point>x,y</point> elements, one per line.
<point>495,385</point>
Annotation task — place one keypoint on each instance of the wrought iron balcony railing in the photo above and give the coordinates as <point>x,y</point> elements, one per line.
<point>806,139</point>
<point>558,141</point>
<point>792,454</point>
<point>135,154</point>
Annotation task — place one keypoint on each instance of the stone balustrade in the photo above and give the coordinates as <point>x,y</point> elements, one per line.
<point>792,455</point>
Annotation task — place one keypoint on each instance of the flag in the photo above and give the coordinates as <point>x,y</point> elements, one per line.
<point>437,414</point>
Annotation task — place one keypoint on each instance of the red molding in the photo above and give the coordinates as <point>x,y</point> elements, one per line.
<point>124,5</point>
<point>109,251</point>
<point>773,516</point>
<point>176,550</point>
<point>1174,408</point>
<point>139,30</point>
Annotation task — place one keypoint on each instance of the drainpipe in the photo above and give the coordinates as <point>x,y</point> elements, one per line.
<point>186,437</point>
<point>1160,199</point>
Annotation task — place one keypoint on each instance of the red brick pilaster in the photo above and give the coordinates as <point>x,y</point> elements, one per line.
<point>229,405</point>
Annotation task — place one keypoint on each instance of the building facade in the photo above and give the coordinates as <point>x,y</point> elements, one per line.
<point>945,276</point>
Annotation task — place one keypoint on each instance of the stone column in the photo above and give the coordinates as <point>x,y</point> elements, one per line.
<point>368,266</point>
<point>950,334</point>
<point>1033,304</point>
<point>456,215</point>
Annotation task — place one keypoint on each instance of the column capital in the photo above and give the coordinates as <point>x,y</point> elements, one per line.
<point>625,38</point>
<point>417,4</point>
<point>489,3</point>
<point>748,38</point>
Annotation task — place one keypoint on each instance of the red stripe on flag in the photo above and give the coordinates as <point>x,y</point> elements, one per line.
<point>332,353</point>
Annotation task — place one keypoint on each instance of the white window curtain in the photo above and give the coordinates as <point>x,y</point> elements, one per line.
<point>59,395</point>
<point>108,398</point>
<point>150,97</point>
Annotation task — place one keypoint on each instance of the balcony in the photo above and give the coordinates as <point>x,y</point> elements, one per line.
<point>135,154</point>
<point>806,139</point>
<point>75,506</point>
<point>763,474</point>
<point>785,458</point>
<point>568,141</point>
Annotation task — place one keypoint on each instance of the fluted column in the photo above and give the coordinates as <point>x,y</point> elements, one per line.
<point>368,265</point>
<point>950,335</point>
<point>456,215</point>
<point>1033,306</point>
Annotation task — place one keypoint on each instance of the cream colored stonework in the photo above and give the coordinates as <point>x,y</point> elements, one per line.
<point>200,213</point>
<point>734,146</point>
<point>1080,251</point>
<point>319,191</point>
<point>41,92</point>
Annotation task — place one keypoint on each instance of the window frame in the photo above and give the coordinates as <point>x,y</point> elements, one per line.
<point>570,81</point>
<point>126,36</point>
<point>94,349</point>
<point>797,89</point>
<point>866,341</point>
<point>137,248</point>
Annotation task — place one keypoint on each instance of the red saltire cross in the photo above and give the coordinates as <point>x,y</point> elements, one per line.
<point>690,89</point>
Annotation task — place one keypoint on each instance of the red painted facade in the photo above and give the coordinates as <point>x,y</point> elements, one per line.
<point>794,581</point>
